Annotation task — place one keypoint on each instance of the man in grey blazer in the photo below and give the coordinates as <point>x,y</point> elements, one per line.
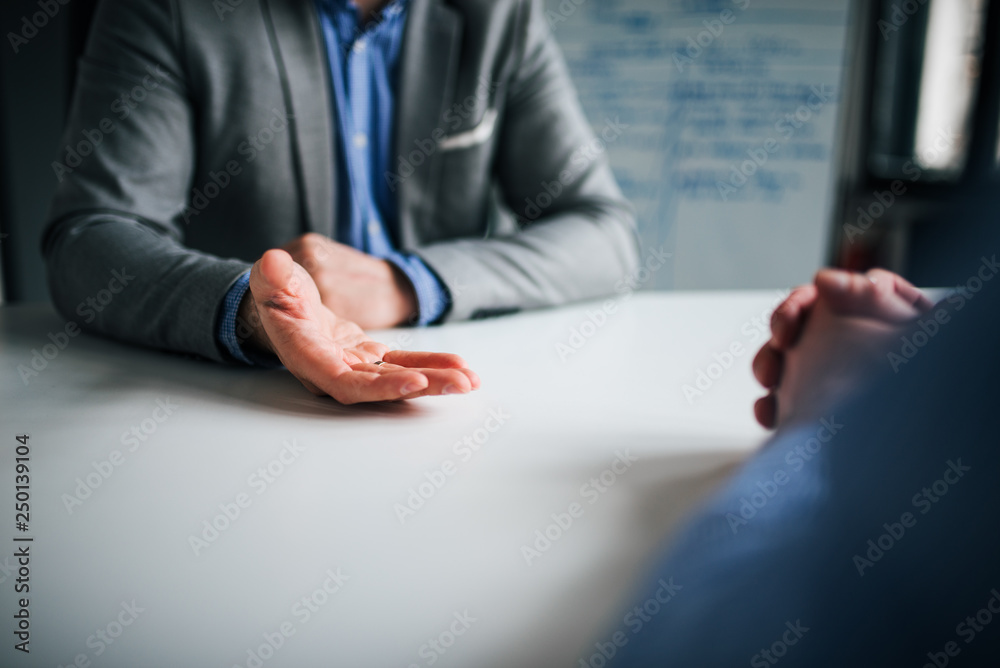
<point>384,163</point>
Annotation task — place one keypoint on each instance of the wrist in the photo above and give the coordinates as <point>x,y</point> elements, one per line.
<point>406,310</point>
<point>249,328</point>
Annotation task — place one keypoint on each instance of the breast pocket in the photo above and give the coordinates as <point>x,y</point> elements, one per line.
<point>467,178</point>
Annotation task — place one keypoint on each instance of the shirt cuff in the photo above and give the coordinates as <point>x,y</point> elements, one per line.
<point>227,323</point>
<point>432,295</point>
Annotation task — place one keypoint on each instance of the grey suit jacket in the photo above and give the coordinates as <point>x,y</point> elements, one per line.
<point>200,135</point>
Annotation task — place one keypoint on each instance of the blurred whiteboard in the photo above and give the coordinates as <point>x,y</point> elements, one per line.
<point>704,87</point>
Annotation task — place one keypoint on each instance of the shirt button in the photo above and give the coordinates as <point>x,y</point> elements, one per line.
<point>361,140</point>
<point>360,46</point>
<point>374,227</point>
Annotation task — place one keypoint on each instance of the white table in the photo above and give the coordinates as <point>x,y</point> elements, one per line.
<point>331,505</point>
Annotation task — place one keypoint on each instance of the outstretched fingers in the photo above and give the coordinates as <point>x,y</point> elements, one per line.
<point>360,385</point>
<point>451,367</point>
<point>438,381</point>
<point>412,358</point>
<point>332,356</point>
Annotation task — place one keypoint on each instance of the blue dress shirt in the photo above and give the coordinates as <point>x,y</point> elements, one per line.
<point>364,70</point>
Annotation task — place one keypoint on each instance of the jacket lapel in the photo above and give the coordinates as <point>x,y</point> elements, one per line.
<point>427,85</point>
<point>296,38</point>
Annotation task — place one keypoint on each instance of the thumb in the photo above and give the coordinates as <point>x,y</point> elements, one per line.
<point>272,273</point>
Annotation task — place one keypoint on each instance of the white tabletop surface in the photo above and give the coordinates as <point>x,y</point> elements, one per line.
<point>114,577</point>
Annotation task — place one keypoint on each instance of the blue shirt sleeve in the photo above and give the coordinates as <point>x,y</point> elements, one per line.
<point>432,296</point>
<point>227,323</point>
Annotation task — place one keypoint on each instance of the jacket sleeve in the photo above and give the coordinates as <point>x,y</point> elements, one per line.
<point>579,245</point>
<point>114,247</point>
